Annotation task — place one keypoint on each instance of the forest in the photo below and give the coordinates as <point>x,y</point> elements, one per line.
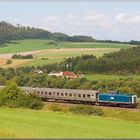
<point>9,32</point>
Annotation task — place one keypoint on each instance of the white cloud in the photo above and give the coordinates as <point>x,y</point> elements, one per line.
<point>97,19</point>
<point>128,17</point>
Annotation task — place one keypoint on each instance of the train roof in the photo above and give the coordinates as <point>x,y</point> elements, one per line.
<point>61,90</point>
<point>117,94</point>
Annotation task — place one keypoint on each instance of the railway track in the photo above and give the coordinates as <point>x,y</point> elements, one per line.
<point>98,106</point>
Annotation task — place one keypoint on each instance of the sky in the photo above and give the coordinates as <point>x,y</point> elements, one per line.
<point>101,19</point>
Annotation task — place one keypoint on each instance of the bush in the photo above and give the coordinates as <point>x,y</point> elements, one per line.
<point>12,96</point>
<point>19,56</point>
<point>86,110</point>
<point>55,107</point>
<point>9,62</point>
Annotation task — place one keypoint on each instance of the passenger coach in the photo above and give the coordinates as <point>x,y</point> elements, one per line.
<point>72,95</point>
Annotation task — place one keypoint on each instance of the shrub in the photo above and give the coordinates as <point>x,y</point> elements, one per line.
<point>55,107</point>
<point>12,96</point>
<point>19,56</point>
<point>86,110</point>
<point>9,62</point>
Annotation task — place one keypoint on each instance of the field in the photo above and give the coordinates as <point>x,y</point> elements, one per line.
<point>52,51</point>
<point>23,123</point>
<point>93,77</point>
<point>36,44</point>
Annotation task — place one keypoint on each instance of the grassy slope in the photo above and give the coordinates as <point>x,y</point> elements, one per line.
<point>23,123</point>
<point>93,77</point>
<point>54,56</point>
<point>36,44</point>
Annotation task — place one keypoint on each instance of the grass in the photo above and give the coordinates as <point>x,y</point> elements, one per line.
<point>40,62</point>
<point>54,53</point>
<point>23,123</point>
<point>93,77</point>
<point>36,44</point>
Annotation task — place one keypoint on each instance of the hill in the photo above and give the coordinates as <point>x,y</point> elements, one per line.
<point>10,32</point>
<point>124,61</point>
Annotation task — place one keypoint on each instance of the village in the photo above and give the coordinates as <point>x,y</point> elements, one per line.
<point>62,74</point>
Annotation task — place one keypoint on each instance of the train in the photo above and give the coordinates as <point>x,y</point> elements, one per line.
<point>93,97</point>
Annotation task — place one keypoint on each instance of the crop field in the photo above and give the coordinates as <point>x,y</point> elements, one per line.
<point>48,51</point>
<point>24,123</point>
<point>93,77</point>
<point>50,56</point>
<point>36,44</point>
<point>58,55</point>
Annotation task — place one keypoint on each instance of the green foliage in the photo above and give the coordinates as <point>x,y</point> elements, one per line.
<point>9,32</point>
<point>12,96</point>
<point>52,43</point>
<point>125,61</point>
<point>77,38</point>
<point>55,107</point>
<point>9,62</point>
<point>2,80</point>
<point>18,56</point>
<point>86,110</point>
<point>8,73</point>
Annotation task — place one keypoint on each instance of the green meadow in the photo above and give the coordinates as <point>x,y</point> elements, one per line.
<point>24,123</point>
<point>37,44</point>
<point>54,51</point>
<point>93,77</point>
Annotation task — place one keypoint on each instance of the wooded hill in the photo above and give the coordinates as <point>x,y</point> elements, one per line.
<point>10,32</point>
<point>125,61</point>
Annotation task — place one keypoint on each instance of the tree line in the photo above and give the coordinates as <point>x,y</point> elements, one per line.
<point>27,76</point>
<point>122,62</point>
<point>9,32</point>
<point>19,56</point>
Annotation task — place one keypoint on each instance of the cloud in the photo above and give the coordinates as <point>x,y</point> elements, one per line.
<point>128,17</point>
<point>100,25</point>
<point>97,19</point>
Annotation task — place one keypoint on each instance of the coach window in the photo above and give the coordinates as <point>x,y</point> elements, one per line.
<point>70,94</point>
<point>49,93</point>
<point>57,93</point>
<point>46,93</point>
<point>88,95</point>
<point>74,94</point>
<point>42,92</point>
<point>84,95</point>
<point>92,96</point>
<point>61,94</point>
<point>66,94</point>
<point>79,95</point>
<point>38,92</point>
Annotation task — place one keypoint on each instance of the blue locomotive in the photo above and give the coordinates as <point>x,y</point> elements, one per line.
<point>117,99</point>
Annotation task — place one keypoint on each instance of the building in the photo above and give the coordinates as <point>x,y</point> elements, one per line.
<point>66,74</point>
<point>57,74</point>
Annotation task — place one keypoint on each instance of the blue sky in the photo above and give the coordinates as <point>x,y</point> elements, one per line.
<point>101,19</point>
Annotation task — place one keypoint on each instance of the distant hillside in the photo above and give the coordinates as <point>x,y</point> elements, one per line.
<point>10,32</point>
<point>125,61</point>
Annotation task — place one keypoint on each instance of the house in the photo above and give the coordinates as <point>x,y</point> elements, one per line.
<point>66,74</point>
<point>57,74</point>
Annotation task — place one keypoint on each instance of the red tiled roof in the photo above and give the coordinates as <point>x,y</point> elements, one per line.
<point>68,73</point>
